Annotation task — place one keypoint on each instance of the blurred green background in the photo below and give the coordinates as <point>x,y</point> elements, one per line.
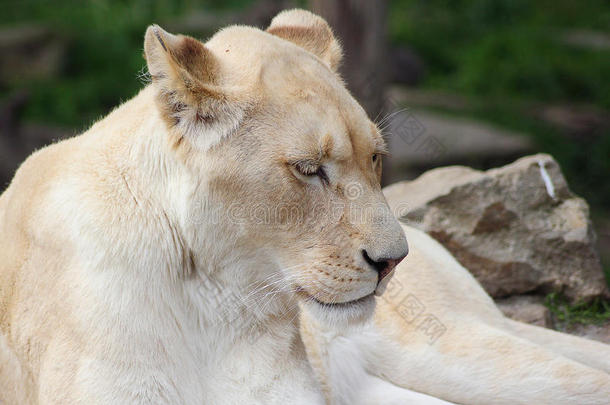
<point>513,58</point>
<point>541,68</point>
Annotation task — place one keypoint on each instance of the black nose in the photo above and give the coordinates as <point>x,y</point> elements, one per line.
<point>383,266</point>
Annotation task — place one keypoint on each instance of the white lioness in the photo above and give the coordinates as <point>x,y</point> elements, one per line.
<point>222,238</point>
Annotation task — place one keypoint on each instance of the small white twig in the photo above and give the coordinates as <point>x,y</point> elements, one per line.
<point>550,189</point>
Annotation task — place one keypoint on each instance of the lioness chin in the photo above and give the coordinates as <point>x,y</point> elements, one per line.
<point>222,238</point>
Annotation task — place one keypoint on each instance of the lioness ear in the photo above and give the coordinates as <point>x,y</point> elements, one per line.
<point>310,32</point>
<point>185,75</point>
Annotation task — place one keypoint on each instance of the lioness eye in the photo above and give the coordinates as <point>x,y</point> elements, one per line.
<point>321,173</point>
<point>310,170</point>
<point>375,156</point>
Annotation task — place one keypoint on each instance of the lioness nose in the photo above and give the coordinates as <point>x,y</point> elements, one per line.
<point>384,266</point>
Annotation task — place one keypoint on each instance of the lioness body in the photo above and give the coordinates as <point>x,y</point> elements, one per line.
<point>82,321</point>
<point>131,271</point>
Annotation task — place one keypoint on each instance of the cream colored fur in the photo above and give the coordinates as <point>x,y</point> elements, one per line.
<point>188,250</point>
<point>468,354</point>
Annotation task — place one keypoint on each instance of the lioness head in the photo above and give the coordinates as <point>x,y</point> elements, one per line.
<point>283,156</point>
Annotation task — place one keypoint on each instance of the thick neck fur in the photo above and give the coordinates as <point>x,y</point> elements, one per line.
<point>197,279</point>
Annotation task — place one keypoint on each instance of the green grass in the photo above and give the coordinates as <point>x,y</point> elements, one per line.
<point>595,312</point>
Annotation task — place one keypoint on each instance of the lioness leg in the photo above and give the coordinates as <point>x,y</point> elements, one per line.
<point>15,383</point>
<point>585,351</point>
<point>377,391</point>
<point>473,363</point>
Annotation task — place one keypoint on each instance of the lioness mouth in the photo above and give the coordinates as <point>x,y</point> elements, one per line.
<point>335,305</point>
<point>343,304</point>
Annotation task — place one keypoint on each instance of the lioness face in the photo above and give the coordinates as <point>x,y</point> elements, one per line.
<point>290,155</point>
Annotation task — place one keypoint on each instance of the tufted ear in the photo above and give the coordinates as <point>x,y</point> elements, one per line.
<point>310,32</point>
<point>185,74</point>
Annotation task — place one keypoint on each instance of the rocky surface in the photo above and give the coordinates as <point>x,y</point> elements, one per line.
<point>531,309</point>
<point>526,308</point>
<point>518,228</point>
<point>600,333</point>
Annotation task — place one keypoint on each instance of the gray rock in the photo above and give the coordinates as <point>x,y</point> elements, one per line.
<point>526,308</point>
<point>601,333</point>
<point>518,228</point>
